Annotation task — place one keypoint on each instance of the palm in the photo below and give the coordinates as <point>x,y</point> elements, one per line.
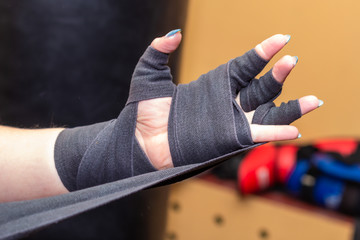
<point>152,130</point>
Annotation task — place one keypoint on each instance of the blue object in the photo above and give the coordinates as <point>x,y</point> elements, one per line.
<point>294,182</point>
<point>333,167</point>
<point>328,192</point>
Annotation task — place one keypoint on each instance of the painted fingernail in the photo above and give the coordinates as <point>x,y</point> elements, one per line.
<point>321,102</point>
<point>288,38</point>
<point>172,33</point>
<point>296,60</point>
<point>299,136</point>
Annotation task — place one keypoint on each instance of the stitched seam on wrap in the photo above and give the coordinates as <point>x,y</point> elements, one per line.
<point>88,149</point>
<point>231,100</point>
<point>133,137</point>
<point>176,140</point>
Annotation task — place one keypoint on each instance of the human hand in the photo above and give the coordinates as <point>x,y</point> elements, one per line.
<point>153,114</point>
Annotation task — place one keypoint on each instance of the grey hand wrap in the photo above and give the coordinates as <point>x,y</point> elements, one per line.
<point>205,121</point>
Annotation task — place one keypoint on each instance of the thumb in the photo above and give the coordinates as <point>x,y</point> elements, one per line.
<point>169,42</point>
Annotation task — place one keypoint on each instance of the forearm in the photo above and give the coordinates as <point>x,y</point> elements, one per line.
<point>27,164</point>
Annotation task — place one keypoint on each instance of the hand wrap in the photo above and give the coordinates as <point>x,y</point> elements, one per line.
<point>205,121</point>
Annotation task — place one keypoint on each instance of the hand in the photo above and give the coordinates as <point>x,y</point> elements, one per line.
<point>152,121</point>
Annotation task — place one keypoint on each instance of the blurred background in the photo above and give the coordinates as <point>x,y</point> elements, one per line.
<point>324,35</point>
<point>69,63</point>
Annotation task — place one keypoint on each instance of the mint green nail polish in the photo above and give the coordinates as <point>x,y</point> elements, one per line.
<point>299,136</point>
<point>289,37</point>
<point>321,102</point>
<point>296,60</point>
<point>172,33</point>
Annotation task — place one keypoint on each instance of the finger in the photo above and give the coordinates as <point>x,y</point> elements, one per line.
<point>266,133</point>
<point>283,67</point>
<point>268,87</point>
<point>169,42</point>
<point>286,113</point>
<point>269,114</point>
<point>309,103</point>
<point>152,77</point>
<point>244,68</point>
<point>269,47</point>
<point>259,91</point>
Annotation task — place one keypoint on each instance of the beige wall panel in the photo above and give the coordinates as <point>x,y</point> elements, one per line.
<point>325,37</point>
<point>206,211</point>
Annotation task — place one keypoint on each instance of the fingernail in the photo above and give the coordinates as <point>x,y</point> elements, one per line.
<point>296,60</point>
<point>172,33</point>
<point>321,102</point>
<point>299,136</point>
<point>288,38</point>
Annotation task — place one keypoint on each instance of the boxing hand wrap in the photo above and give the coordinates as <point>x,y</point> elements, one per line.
<point>205,121</point>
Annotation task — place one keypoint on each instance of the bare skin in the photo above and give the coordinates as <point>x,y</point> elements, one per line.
<point>27,156</point>
<point>27,164</point>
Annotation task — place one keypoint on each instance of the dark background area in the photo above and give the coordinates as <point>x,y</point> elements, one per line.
<point>69,63</point>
